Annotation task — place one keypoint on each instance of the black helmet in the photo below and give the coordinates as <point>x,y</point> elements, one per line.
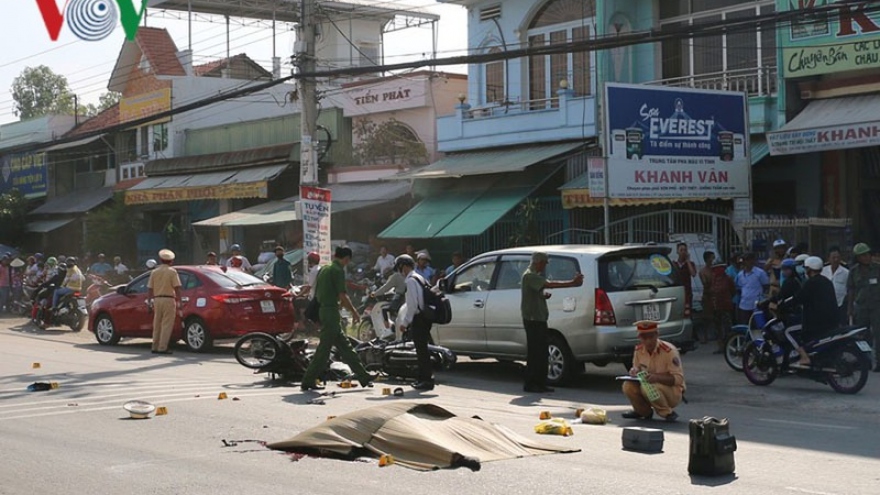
<point>71,261</point>
<point>403,259</point>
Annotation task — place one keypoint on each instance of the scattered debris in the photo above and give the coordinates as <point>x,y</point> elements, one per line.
<point>72,404</point>
<point>235,398</point>
<point>42,386</point>
<point>222,396</point>
<point>139,409</point>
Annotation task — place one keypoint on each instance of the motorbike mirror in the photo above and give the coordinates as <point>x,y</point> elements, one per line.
<point>120,290</point>
<point>443,284</point>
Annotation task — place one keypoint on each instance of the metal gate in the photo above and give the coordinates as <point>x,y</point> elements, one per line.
<point>660,226</point>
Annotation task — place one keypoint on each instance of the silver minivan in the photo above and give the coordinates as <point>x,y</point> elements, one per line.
<point>593,323</point>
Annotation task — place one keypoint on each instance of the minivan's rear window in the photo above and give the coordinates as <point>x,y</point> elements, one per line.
<point>633,271</point>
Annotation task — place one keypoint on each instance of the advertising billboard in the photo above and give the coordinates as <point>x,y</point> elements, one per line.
<point>24,171</point>
<point>667,142</point>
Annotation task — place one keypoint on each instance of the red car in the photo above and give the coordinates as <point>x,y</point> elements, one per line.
<point>217,304</point>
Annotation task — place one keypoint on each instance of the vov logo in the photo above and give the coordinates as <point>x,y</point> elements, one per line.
<point>92,20</point>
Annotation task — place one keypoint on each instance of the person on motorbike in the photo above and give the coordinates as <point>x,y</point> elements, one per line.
<point>819,304</point>
<point>73,282</point>
<point>54,277</point>
<point>236,263</point>
<point>791,284</point>
<point>395,284</point>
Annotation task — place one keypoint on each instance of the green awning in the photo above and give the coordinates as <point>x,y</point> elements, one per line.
<point>485,211</point>
<point>493,161</point>
<point>759,149</point>
<point>431,215</point>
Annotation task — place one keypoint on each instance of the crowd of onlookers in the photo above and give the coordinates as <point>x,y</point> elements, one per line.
<point>19,271</point>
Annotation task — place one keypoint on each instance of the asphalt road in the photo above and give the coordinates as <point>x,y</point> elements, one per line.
<point>794,437</point>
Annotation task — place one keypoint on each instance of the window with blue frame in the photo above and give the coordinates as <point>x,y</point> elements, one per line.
<point>560,22</point>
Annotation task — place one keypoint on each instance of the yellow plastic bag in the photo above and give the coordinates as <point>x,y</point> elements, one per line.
<point>594,416</point>
<point>555,426</point>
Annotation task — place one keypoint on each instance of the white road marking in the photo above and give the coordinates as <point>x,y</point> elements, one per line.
<point>810,425</point>
<point>804,490</point>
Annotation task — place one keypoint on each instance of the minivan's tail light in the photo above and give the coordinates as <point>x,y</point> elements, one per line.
<point>687,310</point>
<point>604,310</point>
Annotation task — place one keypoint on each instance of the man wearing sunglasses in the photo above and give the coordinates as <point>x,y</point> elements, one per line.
<point>662,364</point>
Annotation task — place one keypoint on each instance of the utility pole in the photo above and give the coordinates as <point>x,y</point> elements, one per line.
<point>305,53</point>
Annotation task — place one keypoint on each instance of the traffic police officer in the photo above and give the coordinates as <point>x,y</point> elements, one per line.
<point>163,293</point>
<point>661,361</point>
<point>863,293</point>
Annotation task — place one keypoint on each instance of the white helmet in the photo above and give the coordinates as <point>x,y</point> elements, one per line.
<point>779,242</point>
<point>801,258</point>
<point>151,263</point>
<point>814,263</point>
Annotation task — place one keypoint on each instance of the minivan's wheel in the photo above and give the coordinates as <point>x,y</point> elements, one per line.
<point>195,335</point>
<point>852,367</point>
<point>759,364</point>
<point>256,350</point>
<point>733,350</point>
<point>560,361</point>
<point>105,331</point>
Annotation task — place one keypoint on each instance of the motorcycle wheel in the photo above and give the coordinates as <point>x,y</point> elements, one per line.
<point>760,365</point>
<point>852,367</point>
<point>365,330</point>
<point>77,322</point>
<point>733,350</point>
<point>256,350</point>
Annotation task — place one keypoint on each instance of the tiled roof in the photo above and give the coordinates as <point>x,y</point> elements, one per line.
<point>103,120</point>
<point>203,69</point>
<point>160,50</point>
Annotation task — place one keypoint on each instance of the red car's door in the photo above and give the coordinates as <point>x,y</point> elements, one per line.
<point>131,315</point>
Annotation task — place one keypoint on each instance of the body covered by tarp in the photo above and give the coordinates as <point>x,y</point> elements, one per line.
<point>419,436</point>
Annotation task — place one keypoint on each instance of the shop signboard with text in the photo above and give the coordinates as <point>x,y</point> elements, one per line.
<point>315,204</point>
<point>830,36</point>
<point>858,135</point>
<point>25,172</point>
<point>676,143</point>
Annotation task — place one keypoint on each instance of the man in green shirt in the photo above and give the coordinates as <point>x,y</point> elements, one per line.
<point>535,315</point>
<point>863,290</point>
<point>330,291</point>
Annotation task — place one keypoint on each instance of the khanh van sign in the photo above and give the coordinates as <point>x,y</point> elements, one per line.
<point>823,139</point>
<point>676,143</point>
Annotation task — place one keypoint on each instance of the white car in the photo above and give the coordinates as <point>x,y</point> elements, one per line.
<point>593,323</point>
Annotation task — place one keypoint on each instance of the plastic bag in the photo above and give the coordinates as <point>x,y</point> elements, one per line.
<point>555,426</point>
<point>594,416</point>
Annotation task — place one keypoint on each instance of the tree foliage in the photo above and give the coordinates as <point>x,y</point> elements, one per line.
<point>105,101</point>
<point>388,143</point>
<point>38,91</point>
<point>113,229</point>
<point>528,231</point>
<point>13,209</point>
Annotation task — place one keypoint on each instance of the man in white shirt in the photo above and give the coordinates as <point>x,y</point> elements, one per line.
<point>314,267</point>
<point>838,275</point>
<point>420,326</point>
<point>384,263</point>
<point>236,251</point>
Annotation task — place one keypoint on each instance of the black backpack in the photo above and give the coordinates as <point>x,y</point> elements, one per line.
<point>712,447</point>
<point>437,308</point>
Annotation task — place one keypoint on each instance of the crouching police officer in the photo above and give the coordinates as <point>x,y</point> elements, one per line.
<point>662,363</point>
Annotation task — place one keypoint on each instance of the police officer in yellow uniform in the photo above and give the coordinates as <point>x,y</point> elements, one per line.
<point>163,294</point>
<point>661,361</point>
<point>863,293</point>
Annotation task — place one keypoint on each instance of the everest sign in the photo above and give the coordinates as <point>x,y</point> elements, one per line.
<point>676,143</point>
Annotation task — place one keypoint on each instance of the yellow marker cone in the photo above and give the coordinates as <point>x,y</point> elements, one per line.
<point>35,366</point>
<point>578,413</point>
<point>386,460</point>
<point>545,415</point>
<point>345,384</point>
<point>386,391</point>
<point>54,385</point>
<point>221,396</point>
<point>161,411</point>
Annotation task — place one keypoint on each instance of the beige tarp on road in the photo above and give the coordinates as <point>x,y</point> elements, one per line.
<point>419,436</point>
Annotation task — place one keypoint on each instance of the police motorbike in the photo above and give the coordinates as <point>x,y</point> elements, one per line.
<point>842,360</point>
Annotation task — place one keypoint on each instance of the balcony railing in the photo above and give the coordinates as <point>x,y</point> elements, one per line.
<point>510,107</point>
<point>756,81</point>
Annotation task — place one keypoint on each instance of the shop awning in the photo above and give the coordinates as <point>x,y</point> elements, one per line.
<point>75,202</point>
<point>242,183</point>
<point>73,144</point>
<point>43,226</point>
<point>489,161</point>
<point>465,209</point>
<point>759,149</point>
<point>263,214</point>
<point>833,124</point>
<point>576,194</point>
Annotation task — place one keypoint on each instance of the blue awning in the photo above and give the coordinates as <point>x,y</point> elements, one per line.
<point>759,149</point>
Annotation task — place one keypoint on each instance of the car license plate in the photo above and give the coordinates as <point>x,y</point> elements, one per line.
<point>267,306</point>
<point>651,312</point>
<point>863,346</point>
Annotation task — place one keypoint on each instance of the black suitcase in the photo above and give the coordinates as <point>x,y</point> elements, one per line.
<point>642,439</point>
<point>712,447</point>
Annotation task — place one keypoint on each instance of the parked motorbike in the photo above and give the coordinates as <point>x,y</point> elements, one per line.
<point>842,360</point>
<point>71,312</point>
<point>23,305</point>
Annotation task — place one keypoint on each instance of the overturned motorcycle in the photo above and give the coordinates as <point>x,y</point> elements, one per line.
<point>842,360</point>
<point>288,359</point>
